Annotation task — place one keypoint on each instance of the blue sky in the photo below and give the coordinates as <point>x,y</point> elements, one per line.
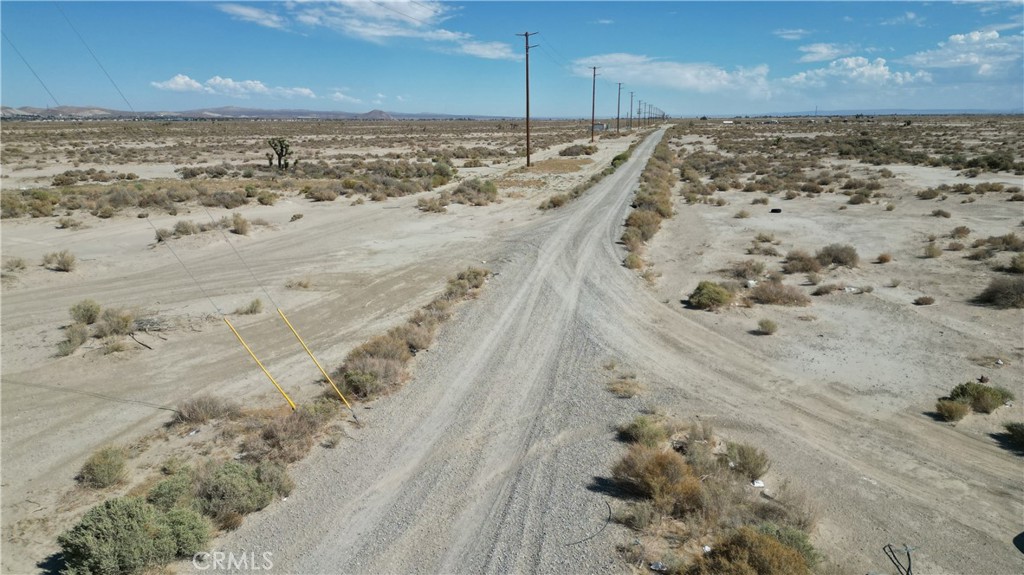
<point>687,58</point>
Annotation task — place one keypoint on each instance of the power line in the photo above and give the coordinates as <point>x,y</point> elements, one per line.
<point>98,63</point>
<point>43,84</point>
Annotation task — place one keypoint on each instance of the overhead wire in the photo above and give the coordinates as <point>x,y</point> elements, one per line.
<point>30,69</point>
<point>91,53</point>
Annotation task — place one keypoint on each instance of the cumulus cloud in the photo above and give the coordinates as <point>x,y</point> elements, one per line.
<point>339,96</point>
<point>253,14</point>
<point>822,52</point>
<point>179,83</point>
<point>685,76</point>
<point>228,87</point>
<point>489,50</point>
<point>909,18</point>
<point>791,33</point>
<point>986,51</point>
<point>858,71</point>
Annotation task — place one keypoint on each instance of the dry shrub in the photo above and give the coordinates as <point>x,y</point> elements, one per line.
<point>645,430</point>
<point>322,195</point>
<point>799,261</point>
<point>982,398</point>
<point>826,289</point>
<point>632,239</point>
<point>298,283</point>
<point>104,468</point>
<point>633,262</point>
<point>932,251</point>
<point>1016,433</point>
<point>115,321</point>
<point>741,215</point>
<point>748,460</point>
<point>710,295</point>
<point>287,438</point>
<point>773,293</point>
<point>924,300</point>
<point>239,225</point>
<point>662,476</point>
<point>884,258</point>
<point>86,311</point>
<point>185,228</point>
<point>624,386</point>
<point>747,552</point>
<point>941,214</point>
<point>437,204</point>
<point>1003,293</point>
<point>638,516</point>
<point>75,335</point>
<point>1016,265</point>
<point>960,232</point>
<point>416,337</point>
<point>644,221</point>
<point>838,254</point>
<point>203,408</point>
<point>254,307</point>
<point>767,327</point>
<point>62,261</point>
<point>952,410</point>
<point>230,488</point>
<point>15,265</point>
<point>747,270</point>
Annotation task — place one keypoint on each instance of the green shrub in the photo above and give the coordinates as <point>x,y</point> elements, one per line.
<point>952,410</point>
<point>86,311</point>
<point>794,538</point>
<point>633,262</point>
<point>842,255</point>
<point>749,461</point>
<point>645,430</point>
<point>104,468</point>
<point>1016,433</point>
<point>174,491</point>
<point>189,530</point>
<point>1003,293</point>
<point>710,295</point>
<point>120,536</point>
<point>231,487</point>
<point>275,477</point>
<point>747,552</point>
<point>982,398</point>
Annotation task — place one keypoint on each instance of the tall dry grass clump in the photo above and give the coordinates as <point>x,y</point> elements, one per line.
<point>104,468</point>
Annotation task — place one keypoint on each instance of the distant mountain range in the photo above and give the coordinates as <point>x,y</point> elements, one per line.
<point>232,112</point>
<point>227,112</point>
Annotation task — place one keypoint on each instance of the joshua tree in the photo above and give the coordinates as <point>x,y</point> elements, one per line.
<point>281,149</point>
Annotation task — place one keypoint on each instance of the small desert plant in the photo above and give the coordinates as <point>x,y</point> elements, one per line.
<point>86,311</point>
<point>1003,293</point>
<point>774,293</point>
<point>826,289</point>
<point>203,408</point>
<point>645,430</point>
<point>185,228</point>
<point>254,307</point>
<point>1016,433</point>
<point>941,214</point>
<point>662,476</point>
<point>747,552</point>
<point>239,225</point>
<point>15,265</point>
<point>231,487</point>
<point>813,278</point>
<point>884,258</point>
<point>748,460</point>
<point>710,295</point>
<point>767,327</point>
<point>747,270</point>
<point>960,232</point>
<point>952,410</point>
<point>104,468</point>
<point>1016,265</point>
<point>932,250</point>
<point>295,217</point>
<point>298,283</point>
<point>625,387</point>
<point>75,335</point>
<point>924,300</point>
<point>62,261</point>
<point>842,255</point>
<point>113,345</point>
<point>633,262</point>
<point>68,223</point>
<point>638,516</point>
<point>799,261</point>
<point>955,246</point>
<point>982,398</point>
<point>164,234</point>
<point>115,322</point>
<point>742,214</point>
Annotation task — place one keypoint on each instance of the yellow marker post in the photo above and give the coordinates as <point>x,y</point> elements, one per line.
<point>311,356</point>
<point>259,363</point>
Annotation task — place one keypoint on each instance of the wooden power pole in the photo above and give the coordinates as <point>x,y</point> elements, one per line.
<point>618,108</point>
<point>593,99</point>
<point>526,42</point>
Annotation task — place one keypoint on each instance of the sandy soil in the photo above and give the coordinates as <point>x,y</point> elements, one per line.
<point>496,456</point>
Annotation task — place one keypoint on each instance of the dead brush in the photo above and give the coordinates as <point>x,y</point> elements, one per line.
<point>624,386</point>
<point>202,408</point>
<point>773,293</point>
<point>287,438</point>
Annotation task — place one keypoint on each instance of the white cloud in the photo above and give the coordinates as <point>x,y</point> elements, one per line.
<point>909,18</point>
<point>228,87</point>
<point>488,50</point>
<point>791,33</point>
<point>252,14</point>
<point>604,21</point>
<point>822,52</point>
<point>856,70</point>
<point>339,96</point>
<point>986,51</point>
<point>685,76</point>
<point>179,83</point>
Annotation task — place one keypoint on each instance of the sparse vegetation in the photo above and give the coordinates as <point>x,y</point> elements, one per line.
<point>1003,293</point>
<point>932,250</point>
<point>203,408</point>
<point>114,322</point>
<point>775,293</point>
<point>62,261</point>
<point>1016,433</point>
<point>239,225</point>
<point>74,336</point>
<point>624,386</point>
<point>980,397</point>
<point>952,410</point>
<point>767,327</point>
<point>884,258</point>
<point>104,468</point>
<point>710,295</point>
<point>840,255</point>
<point>799,261</point>
<point>254,307</point>
<point>86,311</point>
<point>924,300</point>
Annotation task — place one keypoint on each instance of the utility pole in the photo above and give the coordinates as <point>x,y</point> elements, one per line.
<point>526,42</point>
<point>639,118</point>
<point>593,99</point>
<point>631,111</point>
<point>618,108</point>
